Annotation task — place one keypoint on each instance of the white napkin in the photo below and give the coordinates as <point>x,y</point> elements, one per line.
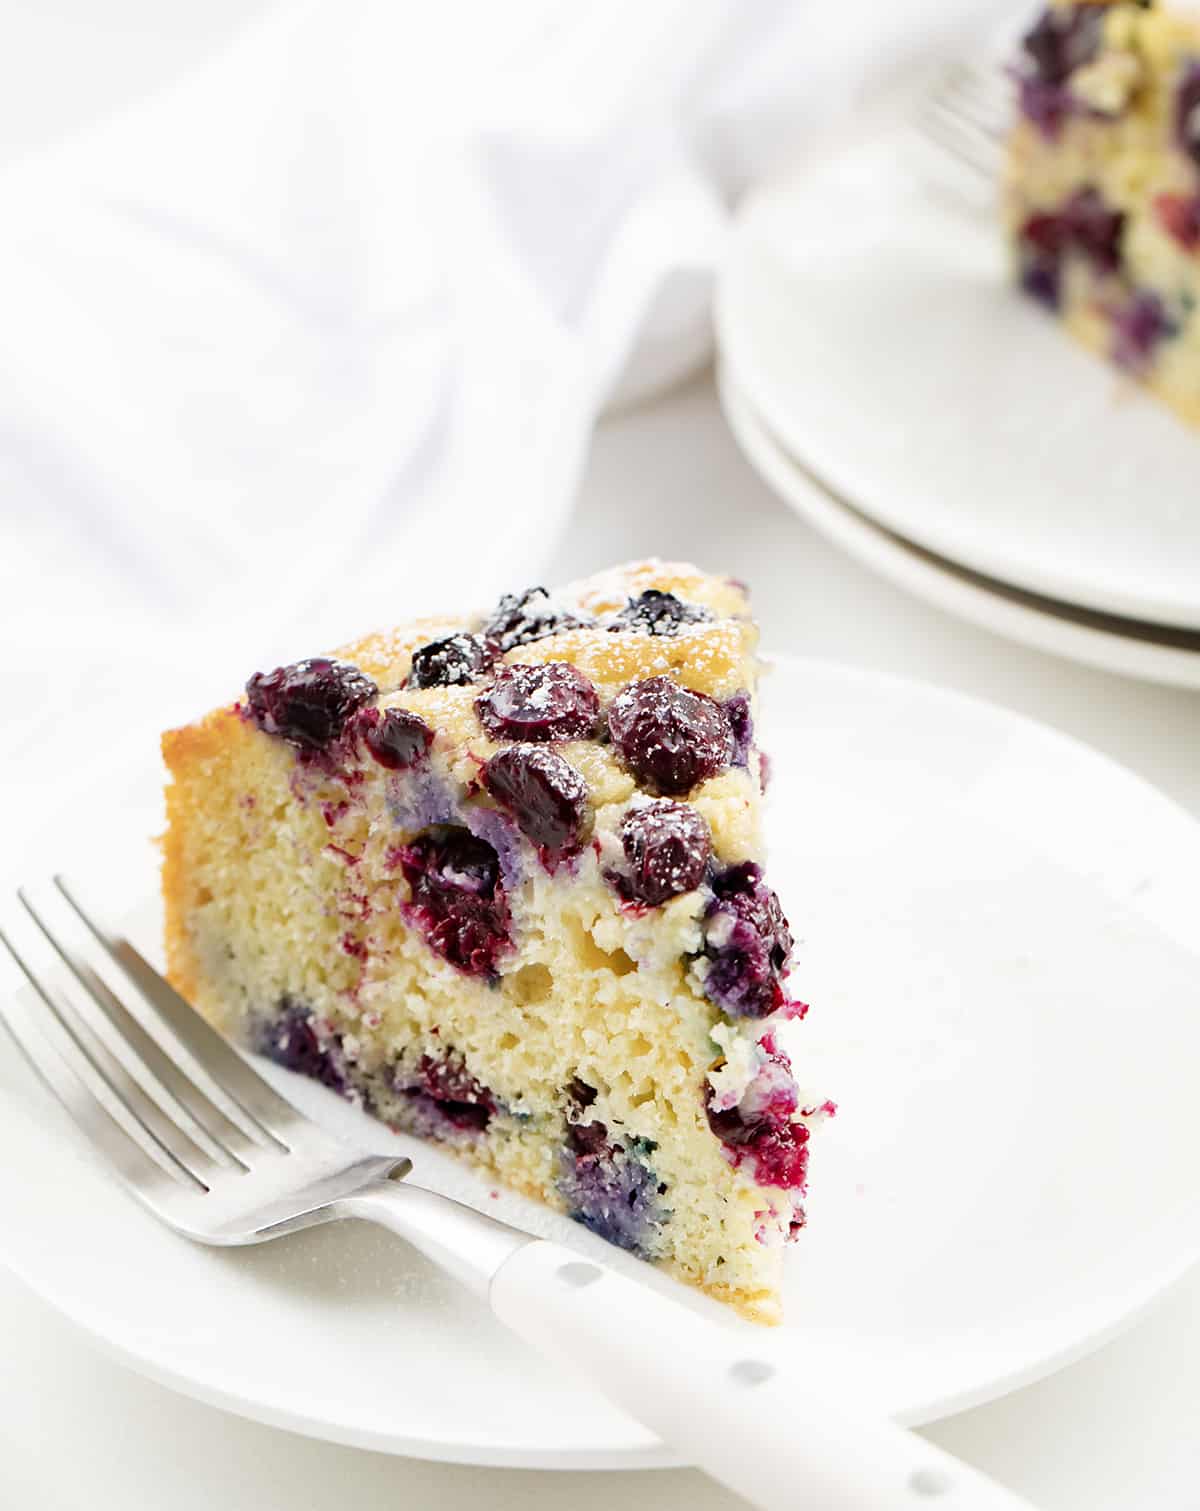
<point>316,339</point>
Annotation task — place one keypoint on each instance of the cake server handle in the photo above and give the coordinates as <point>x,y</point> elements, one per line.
<point>730,1403</point>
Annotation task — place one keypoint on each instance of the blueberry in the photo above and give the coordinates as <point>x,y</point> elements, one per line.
<point>291,1040</point>
<point>1042,281</point>
<point>656,613</point>
<point>522,619</point>
<point>549,702</point>
<point>445,1094</point>
<point>457,900</point>
<point>1187,112</point>
<point>580,1094</point>
<point>1094,229</point>
<point>759,1129</point>
<point>747,942</point>
<point>1062,39</point>
<point>1042,245</point>
<point>309,702</point>
<point>1137,330</point>
<point>611,1189</point>
<point>1085,225</point>
<point>454,661</point>
<point>667,846</point>
<point>397,738</point>
<point>1047,106</point>
<point>545,795</point>
<point>668,737</point>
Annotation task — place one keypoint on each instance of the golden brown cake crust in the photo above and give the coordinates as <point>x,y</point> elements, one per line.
<point>386,655</point>
<point>196,758</point>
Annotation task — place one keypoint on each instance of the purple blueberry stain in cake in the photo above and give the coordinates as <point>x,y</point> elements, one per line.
<point>422,800</point>
<point>762,1127</point>
<point>334,812</point>
<point>741,726</point>
<point>747,944</point>
<point>657,613</point>
<point>458,901</point>
<point>454,661</point>
<point>357,948</point>
<point>1061,40</point>
<point>546,796</point>
<point>444,1098</point>
<point>1138,327</point>
<point>667,847</point>
<point>1179,216</point>
<point>397,738</point>
<point>1094,229</point>
<point>295,1039</point>
<point>499,831</point>
<point>553,701</point>
<point>1040,257</point>
<point>1084,226</point>
<point>1187,112</point>
<point>520,619</point>
<point>419,801</point>
<point>308,703</point>
<point>668,737</point>
<point>610,1187</point>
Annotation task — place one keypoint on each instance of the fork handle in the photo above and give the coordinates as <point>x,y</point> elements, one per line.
<point>759,1423</point>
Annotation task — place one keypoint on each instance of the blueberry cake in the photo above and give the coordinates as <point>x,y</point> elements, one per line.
<point>1102,192</point>
<point>497,880</point>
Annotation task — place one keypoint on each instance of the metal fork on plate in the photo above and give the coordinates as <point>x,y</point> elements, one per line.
<point>212,1150</point>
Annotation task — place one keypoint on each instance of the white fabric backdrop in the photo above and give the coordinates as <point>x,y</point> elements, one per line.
<point>316,339</point>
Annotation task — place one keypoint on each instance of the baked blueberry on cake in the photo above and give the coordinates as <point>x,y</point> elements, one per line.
<point>1103,185</point>
<point>498,881</point>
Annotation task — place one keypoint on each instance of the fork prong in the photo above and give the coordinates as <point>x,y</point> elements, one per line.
<point>263,1113</point>
<point>960,141</point>
<point>96,1106</point>
<point>965,114</point>
<point>128,1042</point>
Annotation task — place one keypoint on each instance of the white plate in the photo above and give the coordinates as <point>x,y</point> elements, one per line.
<point>864,311</point>
<point>1116,645</point>
<point>994,928</point>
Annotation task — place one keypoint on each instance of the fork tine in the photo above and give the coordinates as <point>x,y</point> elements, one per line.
<point>264,1114</point>
<point>117,1029</point>
<point>96,1106</point>
<point>965,114</point>
<point>961,141</point>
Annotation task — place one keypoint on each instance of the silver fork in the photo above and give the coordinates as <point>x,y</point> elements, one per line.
<point>966,113</point>
<point>212,1150</point>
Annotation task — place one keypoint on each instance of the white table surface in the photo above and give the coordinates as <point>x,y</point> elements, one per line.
<point>1116,1431</point>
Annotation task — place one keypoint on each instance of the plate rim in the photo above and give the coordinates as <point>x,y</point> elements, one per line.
<point>735,347</point>
<point>1106,1320</point>
<point>956,590</point>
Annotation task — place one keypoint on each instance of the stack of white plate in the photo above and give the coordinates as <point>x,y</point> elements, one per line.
<point>884,378</point>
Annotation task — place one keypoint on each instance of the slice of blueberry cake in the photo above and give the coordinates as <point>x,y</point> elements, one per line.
<point>497,880</point>
<point>1102,192</point>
